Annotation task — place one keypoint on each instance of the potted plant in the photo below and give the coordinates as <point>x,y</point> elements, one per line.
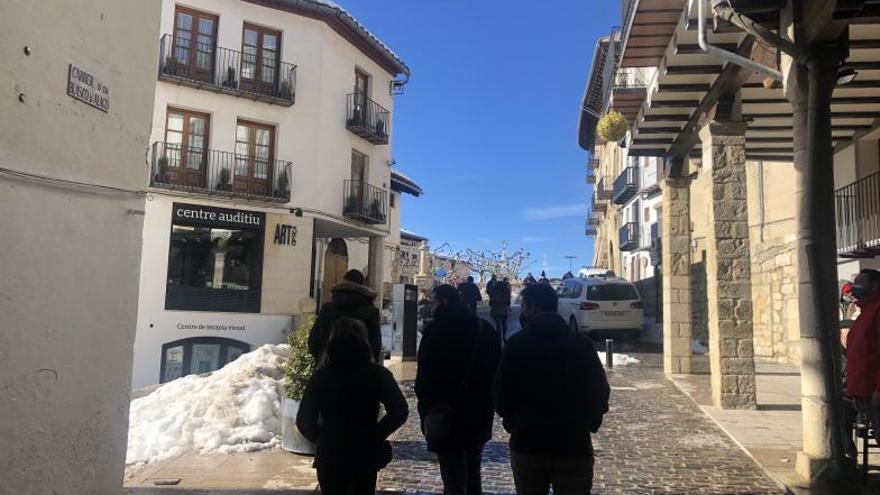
<point>299,370</point>
<point>612,126</point>
<point>223,183</point>
<point>285,91</point>
<point>380,128</point>
<point>283,190</point>
<point>376,210</point>
<point>171,66</point>
<point>161,176</point>
<point>230,81</point>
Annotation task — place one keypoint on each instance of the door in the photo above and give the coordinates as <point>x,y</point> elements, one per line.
<point>259,59</point>
<point>358,180</point>
<point>194,44</point>
<point>186,142</point>
<point>335,266</point>
<point>254,145</point>
<point>361,99</point>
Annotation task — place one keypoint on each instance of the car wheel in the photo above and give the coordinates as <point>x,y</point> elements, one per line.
<point>573,324</point>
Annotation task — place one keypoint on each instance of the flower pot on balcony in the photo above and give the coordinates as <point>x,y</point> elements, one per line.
<point>230,81</point>
<point>285,91</point>
<point>171,66</point>
<point>283,190</point>
<point>380,128</point>
<point>223,183</point>
<point>161,175</point>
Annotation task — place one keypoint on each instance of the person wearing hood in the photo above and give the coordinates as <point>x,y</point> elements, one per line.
<point>457,360</point>
<point>353,299</point>
<point>339,409</point>
<point>863,347</point>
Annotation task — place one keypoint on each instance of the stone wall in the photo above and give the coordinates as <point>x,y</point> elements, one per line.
<point>650,291</point>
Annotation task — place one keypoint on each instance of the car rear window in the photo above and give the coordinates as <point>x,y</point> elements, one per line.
<point>614,292</point>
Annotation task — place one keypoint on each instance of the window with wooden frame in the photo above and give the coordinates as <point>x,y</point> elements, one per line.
<point>186,146</point>
<point>254,157</point>
<point>195,43</point>
<point>260,51</point>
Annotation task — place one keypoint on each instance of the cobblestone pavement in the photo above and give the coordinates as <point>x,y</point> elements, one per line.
<point>654,440</point>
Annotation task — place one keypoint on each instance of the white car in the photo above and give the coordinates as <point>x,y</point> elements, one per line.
<point>604,304</point>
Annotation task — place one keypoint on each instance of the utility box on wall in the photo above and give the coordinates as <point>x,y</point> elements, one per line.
<point>405,300</point>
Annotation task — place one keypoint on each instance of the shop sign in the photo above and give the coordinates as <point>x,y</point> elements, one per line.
<point>220,327</point>
<point>87,89</point>
<point>217,217</point>
<point>285,235</point>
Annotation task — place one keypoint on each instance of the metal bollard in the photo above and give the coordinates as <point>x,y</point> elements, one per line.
<point>609,353</point>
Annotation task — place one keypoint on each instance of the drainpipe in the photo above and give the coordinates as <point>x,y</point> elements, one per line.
<point>724,54</point>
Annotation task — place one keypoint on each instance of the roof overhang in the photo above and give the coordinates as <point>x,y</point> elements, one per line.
<point>690,81</point>
<point>403,184</point>
<point>595,94</point>
<point>649,24</point>
<point>341,21</point>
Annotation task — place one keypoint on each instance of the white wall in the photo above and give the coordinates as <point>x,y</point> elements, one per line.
<point>69,269</point>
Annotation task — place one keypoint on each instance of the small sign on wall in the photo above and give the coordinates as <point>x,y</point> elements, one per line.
<point>285,235</point>
<point>86,88</point>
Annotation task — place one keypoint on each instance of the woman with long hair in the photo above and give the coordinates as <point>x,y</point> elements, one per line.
<point>340,408</point>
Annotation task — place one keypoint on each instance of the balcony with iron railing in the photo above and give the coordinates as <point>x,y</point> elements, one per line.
<point>368,119</point>
<point>858,218</point>
<point>207,171</point>
<point>626,185</point>
<point>221,70</point>
<point>633,77</point>
<point>365,202</point>
<point>597,205</point>
<point>593,163</point>
<point>591,177</point>
<point>629,236</point>
<point>602,193</point>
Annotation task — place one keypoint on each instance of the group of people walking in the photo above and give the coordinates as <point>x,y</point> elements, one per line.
<point>500,299</point>
<point>547,385</point>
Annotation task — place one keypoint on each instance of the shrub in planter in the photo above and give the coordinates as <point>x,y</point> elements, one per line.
<point>230,81</point>
<point>162,172</point>
<point>611,127</point>
<point>299,370</point>
<point>171,66</point>
<point>283,190</point>
<point>285,91</point>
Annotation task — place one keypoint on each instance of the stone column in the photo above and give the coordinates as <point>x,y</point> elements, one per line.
<point>676,268</point>
<point>728,267</point>
<point>375,267</point>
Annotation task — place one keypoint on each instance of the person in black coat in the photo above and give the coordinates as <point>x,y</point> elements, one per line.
<point>470,294</point>
<point>352,299</point>
<point>551,393</point>
<point>339,409</point>
<point>457,361</point>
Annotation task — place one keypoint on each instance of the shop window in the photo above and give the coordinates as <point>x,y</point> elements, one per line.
<point>198,355</point>
<point>214,267</point>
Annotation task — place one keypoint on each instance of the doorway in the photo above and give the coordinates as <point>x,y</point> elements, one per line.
<point>335,265</point>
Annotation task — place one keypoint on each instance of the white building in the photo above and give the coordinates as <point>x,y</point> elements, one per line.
<point>270,175</point>
<point>637,194</point>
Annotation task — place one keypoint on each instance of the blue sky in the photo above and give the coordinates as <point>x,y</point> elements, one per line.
<point>488,124</point>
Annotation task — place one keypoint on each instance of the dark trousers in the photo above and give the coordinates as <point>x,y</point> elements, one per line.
<point>535,474</point>
<point>501,326</point>
<point>460,470</point>
<point>346,482</point>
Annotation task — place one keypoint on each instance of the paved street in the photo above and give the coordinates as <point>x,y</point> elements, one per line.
<point>654,440</point>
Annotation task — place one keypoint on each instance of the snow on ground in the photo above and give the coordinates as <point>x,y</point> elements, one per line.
<point>619,359</point>
<point>235,409</point>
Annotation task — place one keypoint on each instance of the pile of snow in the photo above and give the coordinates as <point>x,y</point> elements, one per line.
<point>235,409</point>
<point>619,359</point>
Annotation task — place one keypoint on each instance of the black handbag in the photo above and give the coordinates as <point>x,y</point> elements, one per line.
<point>439,423</point>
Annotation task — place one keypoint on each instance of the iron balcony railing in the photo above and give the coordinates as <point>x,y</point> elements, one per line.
<point>219,172</point>
<point>368,119</point>
<point>593,163</point>
<point>626,185</point>
<point>365,202</point>
<point>590,231</point>
<point>591,178</point>
<point>592,219</point>
<point>602,193</point>
<point>629,236</point>
<point>858,218</point>
<point>598,206</point>
<point>184,61</point>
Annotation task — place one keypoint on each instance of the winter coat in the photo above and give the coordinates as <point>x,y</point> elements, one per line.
<point>552,390</point>
<point>499,298</point>
<point>863,349</point>
<point>348,300</point>
<point>339,409</point>
<point>445,354</point>
<point>470,293</point>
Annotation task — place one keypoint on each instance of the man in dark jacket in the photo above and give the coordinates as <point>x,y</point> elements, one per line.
<point>552,393</point>
<point>350,298</point>
<point>499,306</point>
<point>470,294</point>
<point>458,358</point>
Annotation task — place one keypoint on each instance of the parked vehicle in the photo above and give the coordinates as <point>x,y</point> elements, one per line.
<point>606,304</point>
